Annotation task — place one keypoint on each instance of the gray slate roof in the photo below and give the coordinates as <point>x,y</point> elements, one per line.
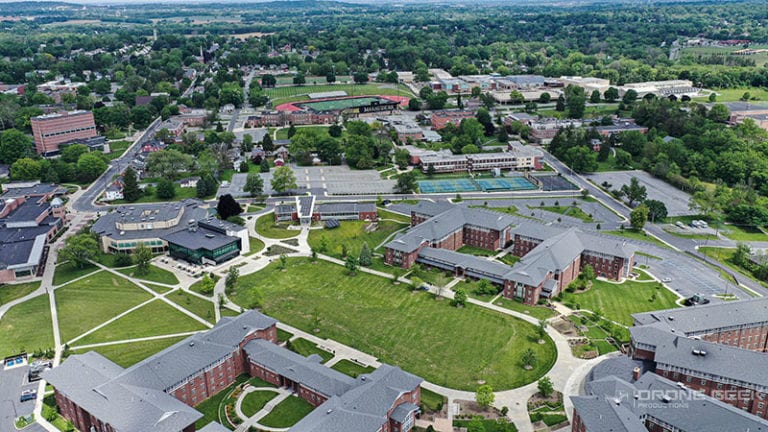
<point>305,370</point>
<point>363,408</point>
<point>149,213</point>
<point>213,427</point>
<point>465,261</point>
<point>345,207</point>
<point>88,379</point>
<point>200,239</point>
<point>601,415</point>
<point>700,319</point>
<point>175,363</point>
<point>720,360</point>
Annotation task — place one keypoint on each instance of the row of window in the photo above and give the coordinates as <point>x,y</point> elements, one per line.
<point>70,131</point>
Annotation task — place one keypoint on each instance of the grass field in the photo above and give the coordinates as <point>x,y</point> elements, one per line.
<point>26,327</point>
<point>744,233</point>
<point>287,413</point>
<point>431,276</point>
<point>282,134</point>
<point>160,289</point>
<point>154,319</point>
<point>211,407</point>
<point>281,95</point>
<point>128,354</point>
<point>200,307</point>
<point>117,148</point>
<point>617,302</point>
<point>637,235</point>
<point>572,211</point>
<point>256,245</point>
<point>432,400</point>
<point>155,274</point>
<point>471,344</point>
<point>759,58</point>
<point>307,348</point>
<point>397,217</point>
<point>267,227</point>
<point>66,272</point>
<point>89,302</point>
<point>253,402</point>
<point>348,367</point>
<point>12,292</point>
<point>353,235</point>
<point>488,425</point>
<point>472,250</point>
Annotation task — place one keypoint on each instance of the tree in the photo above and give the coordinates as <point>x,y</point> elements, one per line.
<point>299,79</point>
<point>168,163</point>
<point>414,105</point>
<point>529,359</point>
<point>268,80</point>
<point>719,113</point>
<point>283,179</point>
<point>476,424</point>
<point>460,297</point>
<point>560,105</point>
<point>207,284</point>
<point>402,158</point>
<point>366,258</point>
<point>629,97</point>
<point>546,388</point>
<point>742,254</point>
<point>267,144</point>
<point>90,166</point>
<point>254,185</point>
<point>484,396</point>
<point>283,261</point>
<point>142,255</point>
<point>335,130</point>
<point>638,217</point>
<point>141,117</point>
<point>657,210</point>
<point>291,131</point>
<point>712,97</point>
<point>623,159</point>
<point>79,249</point>
<point>228,207</point>
<point>166,190</point>
<point>264,166</point>
<point>360,77</point>
<point>330,78</point>
<point>611,95</point>
<point>26,169</point>
<point>426,92</point>
<point>745,97</point>
<point>14,145</point>
<point>406,183</point>
<point>206,186</point>
<point>131,190</point>
<point>329,150</point>
<point>634,192</point>
<point>575,100</point>
<point>230,281</point>
<point>594,97</point>
<point>437,101</point>
<point>541,329</point>
<point>352,265</point>
<point>588,274</point>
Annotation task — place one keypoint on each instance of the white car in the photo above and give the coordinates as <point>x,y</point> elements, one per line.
<point>667,279</point>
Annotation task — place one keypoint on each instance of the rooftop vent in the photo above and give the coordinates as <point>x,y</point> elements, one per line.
<point>666,398</point>
<point>191,344</point>
<point>329,411</point>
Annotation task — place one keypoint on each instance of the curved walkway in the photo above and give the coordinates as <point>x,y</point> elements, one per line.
<point>282,394</point>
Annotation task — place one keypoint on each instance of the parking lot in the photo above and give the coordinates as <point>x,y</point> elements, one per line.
<point>319,180</point>
<point>675,199</point>
<point>12,383</point>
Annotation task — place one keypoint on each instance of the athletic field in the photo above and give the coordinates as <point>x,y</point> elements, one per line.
<point>342,104</point>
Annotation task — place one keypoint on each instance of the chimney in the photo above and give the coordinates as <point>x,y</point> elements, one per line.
<point>636,374</point>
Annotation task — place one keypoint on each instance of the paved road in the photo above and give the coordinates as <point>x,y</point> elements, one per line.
<point>84,203</point>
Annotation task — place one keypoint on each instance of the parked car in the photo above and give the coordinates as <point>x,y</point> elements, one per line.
<point>29,394</point>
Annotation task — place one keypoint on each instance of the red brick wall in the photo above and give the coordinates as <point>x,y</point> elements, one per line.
<point>407,259</point>
<point>311,396</point>
<point>522,247</point>
<point>453,241</point>
<point>484,240</point>
<point>753,339</point>
<point>577,425</point>
<point>368,215</point>
<point>266,375</point>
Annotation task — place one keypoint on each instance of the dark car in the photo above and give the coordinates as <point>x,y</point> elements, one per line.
<point>27,395</point>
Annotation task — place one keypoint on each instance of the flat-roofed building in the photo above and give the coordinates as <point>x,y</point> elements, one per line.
<point>50,131</point>
<point>440,119</point>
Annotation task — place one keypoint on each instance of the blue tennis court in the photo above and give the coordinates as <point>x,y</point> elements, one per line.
<point>505,183</point>
<point>447,186</point>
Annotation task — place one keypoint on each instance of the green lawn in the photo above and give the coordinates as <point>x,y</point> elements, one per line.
<point>351,368</point>
<point>267,227</point>
<point>509,259</point>
<point>282,134</point>
<point>89,302</point>
<point>26,327</point>
<point>619,302</point>
<point>66,272</point>
<point>200,307</point>
<point>735,94</point>
<point>256,245</point>
<point>307,348</point>
<point>511,210</point>
<point>397,217</point>
<point>253,402</point>
<point>12,292</point>
<point>471,344</point>
<point>154,319</point>
<point>155,274</point>
<point>353,235</point>
<point>488,425</point>
<point>572,211</point>
<point>198,286</point>
<point>283,336</point>
<point>160,289</point>
<point>214,406</point>
<point>128,354</point>
<point>744,233</point>
<point>181,194</point>
<point>431,276</point>
<point>471,250</point>
<point>287,413</point>
<point>431,400</point>
<point>636,235</point>
<point>117,148</point>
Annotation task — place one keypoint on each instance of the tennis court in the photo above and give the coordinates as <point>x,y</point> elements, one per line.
<point>447,185</point>
<point>342,104</point>
<point>505,183</point>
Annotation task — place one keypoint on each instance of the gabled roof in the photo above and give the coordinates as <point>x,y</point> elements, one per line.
<point>700,319</point>
<point>601,415</point>
<point>305,370</point>
<point>466,261</point>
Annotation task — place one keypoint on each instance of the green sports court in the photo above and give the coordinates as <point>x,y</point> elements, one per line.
<point>475,185</point>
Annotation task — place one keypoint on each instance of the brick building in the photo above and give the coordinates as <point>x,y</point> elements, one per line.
<point>517,157</point>
<point>306,210</point>
<point>52,130</point>
<point>716,349</point>
<point>551,258</point>
<point>159,392</point>
<point>440,119</point>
